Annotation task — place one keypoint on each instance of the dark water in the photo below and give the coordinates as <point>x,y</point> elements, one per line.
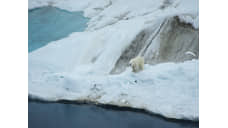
<point>59,115</point>
<point>47,24</point>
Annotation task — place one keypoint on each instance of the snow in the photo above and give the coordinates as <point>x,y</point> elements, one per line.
<point>168,89</point>
<point>104,12</point>
<point>77,67</point>
<point>82,47</point>
<point>190,53</point>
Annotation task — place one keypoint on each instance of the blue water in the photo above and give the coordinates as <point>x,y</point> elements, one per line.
<point>47,24</point>
<point>59,115</point>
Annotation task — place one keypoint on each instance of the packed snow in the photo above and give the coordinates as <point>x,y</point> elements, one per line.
<point>78,67</point>
<point>168,89</point>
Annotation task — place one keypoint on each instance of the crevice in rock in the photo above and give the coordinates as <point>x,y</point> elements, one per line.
<point>169,42</point>
<point>175,39</point>
<point>153,37</point>
<point>130,52</point>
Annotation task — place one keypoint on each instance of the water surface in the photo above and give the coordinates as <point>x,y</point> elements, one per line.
<point>59,115</point>
<point>47,24</point>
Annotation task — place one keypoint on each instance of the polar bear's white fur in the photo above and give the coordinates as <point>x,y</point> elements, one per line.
<point>137,64</point>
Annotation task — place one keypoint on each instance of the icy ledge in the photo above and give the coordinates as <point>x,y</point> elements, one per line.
<point>167,89</point>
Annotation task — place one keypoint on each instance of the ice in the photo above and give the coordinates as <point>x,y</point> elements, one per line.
<point>78,67</point>
<point>190,53</point>
<point>85,47</point>
<point>168,89</point>
<point>104,12</point>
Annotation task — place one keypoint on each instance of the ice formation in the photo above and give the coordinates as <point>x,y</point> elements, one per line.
<point>92,65</point>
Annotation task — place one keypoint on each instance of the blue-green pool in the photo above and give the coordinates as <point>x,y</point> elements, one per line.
<point>48,24</point>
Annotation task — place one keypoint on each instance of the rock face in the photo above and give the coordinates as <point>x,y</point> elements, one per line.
<point>176,40</point>
<point>171,41</point>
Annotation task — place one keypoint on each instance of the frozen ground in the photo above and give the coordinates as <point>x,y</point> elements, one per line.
<point>78,67</point>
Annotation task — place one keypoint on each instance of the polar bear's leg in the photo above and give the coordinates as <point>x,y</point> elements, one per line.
<point>137,67</point>
<point>133,67</point>
<point>141,64</point>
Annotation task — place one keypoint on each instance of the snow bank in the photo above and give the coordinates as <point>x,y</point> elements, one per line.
<point>168,89</point>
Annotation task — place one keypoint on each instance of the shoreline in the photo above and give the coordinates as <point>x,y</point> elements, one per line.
<point>114,108</point>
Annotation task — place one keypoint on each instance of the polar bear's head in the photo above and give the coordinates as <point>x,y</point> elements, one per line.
<point>133,66</point>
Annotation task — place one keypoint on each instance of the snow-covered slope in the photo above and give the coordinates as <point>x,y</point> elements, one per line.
<point>78,67</point>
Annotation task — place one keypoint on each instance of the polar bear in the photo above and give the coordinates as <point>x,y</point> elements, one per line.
<point>137,64</point>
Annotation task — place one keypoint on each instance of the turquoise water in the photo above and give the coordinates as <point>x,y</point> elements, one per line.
<point>47,24</point>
